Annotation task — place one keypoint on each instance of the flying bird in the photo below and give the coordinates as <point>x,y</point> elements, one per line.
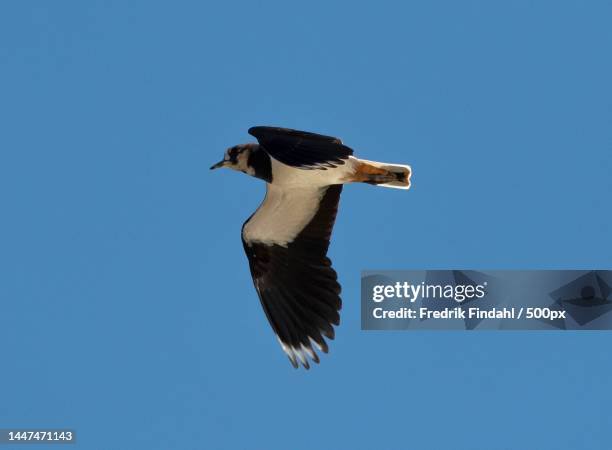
<point>287,237</point>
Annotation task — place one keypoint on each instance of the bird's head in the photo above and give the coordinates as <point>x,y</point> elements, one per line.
<point>236,158</point>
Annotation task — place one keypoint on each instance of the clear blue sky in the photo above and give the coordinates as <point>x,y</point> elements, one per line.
<point>126,307</point>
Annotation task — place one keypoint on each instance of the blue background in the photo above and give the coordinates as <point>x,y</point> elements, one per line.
<point>126,308</point>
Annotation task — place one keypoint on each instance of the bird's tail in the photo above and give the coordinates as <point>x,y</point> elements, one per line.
<point>382,174</point>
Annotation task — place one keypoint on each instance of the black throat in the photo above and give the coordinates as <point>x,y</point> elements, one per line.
<point>259,160</point>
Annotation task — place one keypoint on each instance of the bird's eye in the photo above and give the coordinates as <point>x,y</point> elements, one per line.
<point>233,154</point>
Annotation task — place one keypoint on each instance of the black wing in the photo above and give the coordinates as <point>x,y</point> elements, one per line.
<point>300,148</point>
<point>297,285</point>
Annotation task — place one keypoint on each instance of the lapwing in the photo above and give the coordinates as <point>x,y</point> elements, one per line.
<point>287,237</point>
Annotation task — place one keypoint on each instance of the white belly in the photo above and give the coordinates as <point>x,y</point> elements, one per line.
<point>284,175</point>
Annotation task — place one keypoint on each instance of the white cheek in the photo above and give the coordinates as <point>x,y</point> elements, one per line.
<point>242,165</point>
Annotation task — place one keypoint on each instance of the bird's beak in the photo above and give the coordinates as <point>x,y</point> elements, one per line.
<point>219,164</point>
